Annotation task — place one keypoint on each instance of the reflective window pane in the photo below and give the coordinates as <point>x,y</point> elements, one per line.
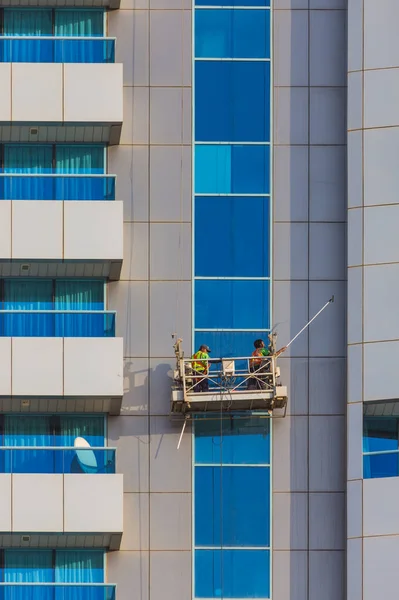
<point>239,228</point>
<point>226,169</point>
<point>232,574</point>
<point>232,33</point>
<point>229,343</point>
<point>228,504</point>
<point>232,101</point>
<point>380,465</point>
<point>264,3</point>
<point>232,440</point>
<point>380,434</point>
<point>231,304</point>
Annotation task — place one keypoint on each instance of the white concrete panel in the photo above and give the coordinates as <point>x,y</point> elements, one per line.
<point>176,104</point>
<point>381,358</point>
<point>93,503</point>
<point>93,366</point>
<point>354,509</point>
<point>294,374</point>
<point>381,98</point>
<point>327,334</point>
<point>131,29</point>
<point>291,119</point>
<point>328,47</point>
<point>5,502</point>
<point>130,165</point>
<point>355,370</point>
<point>327,454</point>
<point>290,521</point>
<point>327,389</point>
<point>380,566</point>
<point>130,437</point>
<point>290,444</point>
<point>5,96</point>
<point>381,42</point>
<point>93,92</point>
<point>355,35</point>
<point>381,224</point>
<point>355,305</point>
<point>290,241</point>
<point>355,441</point>
<point>291,192</point>
<point>327,521</point>
<point>327,251</point>
<point>355,168</point>
<point>37,502</point>
<point>326,575</point>
<point>327,170</point>
<point>355,100</point>
<point>290,574</point>
<point>381,176</point>
<point>135,252</point>
<point>37,368</point>
<point>377,519</point>
<point>93,230</point>
<point>170,48</point>
<point>170,183</point>
<point>37,229</point>
<point>5,366</point>
<point>381,289</point>
<point>354,577</point>
<point>355,237</point>
<point>5,228</point>
<point>37,92</point>
<point>290,55</point>
<point>135,126</point>
<point>290,309</point>
<point>327,115</point>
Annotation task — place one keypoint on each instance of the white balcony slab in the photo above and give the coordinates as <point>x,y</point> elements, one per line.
<point>62,102</point>
<point>55,238</point>
<point>37,502</point>
<point>37,366</point>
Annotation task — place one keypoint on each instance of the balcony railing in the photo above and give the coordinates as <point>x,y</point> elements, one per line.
<point>50,49</point>
<point>44,186</point>
<point>57,591</point>
<point>57,323</point>
<point>32,459</point>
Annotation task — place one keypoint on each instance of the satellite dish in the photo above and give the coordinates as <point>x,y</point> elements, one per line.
<point>87,458</point>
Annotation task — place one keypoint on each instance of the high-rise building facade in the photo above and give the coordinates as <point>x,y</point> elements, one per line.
<point>214,170</point>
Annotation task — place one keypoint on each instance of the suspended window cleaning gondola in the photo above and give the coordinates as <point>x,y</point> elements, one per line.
<point>246,383</point>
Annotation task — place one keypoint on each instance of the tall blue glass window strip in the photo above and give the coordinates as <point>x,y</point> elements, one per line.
<point>54,35</point>
<point>380,447</point>
<point>232,507</point>
<point>232,175</point>
<point>54,308</point>
<point>232,274</point>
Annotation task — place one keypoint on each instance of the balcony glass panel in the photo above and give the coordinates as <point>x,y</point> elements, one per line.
<point>57,323</point>
<point>18,186</point>
<point>57,591</point>
<point>57,460</point>
<point>57,49</point>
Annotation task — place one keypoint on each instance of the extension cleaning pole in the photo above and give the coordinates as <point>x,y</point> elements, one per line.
<point>331,300</point>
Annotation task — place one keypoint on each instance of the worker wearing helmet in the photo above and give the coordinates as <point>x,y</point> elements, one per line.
<point>259,365</point>
<point>200,366</point>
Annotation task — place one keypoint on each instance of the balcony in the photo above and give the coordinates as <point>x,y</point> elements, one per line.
<point>50,49</point>
<point>65,510</point>
<point>61,102</point>
<point>59,361</point>
<point>60,225</point>
<point>58,591</point>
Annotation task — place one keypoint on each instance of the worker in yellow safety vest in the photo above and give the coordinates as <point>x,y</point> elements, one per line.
<point>200,368</point>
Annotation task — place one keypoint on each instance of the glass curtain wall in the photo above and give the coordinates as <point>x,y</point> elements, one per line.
<point>232,166</point>
<point>232,507</point>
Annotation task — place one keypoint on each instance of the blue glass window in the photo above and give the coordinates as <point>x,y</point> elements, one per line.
<point>229,343</point>
<point>232,101</point>
<point>232,33</point>
<point>232,574</point>
<point>228,503</point>
<point>232,3</point>
<point>237,169</point>
<point>230,304</point>
<point>380,434</point>
<point>239,228</point>
<point>232,441</point>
